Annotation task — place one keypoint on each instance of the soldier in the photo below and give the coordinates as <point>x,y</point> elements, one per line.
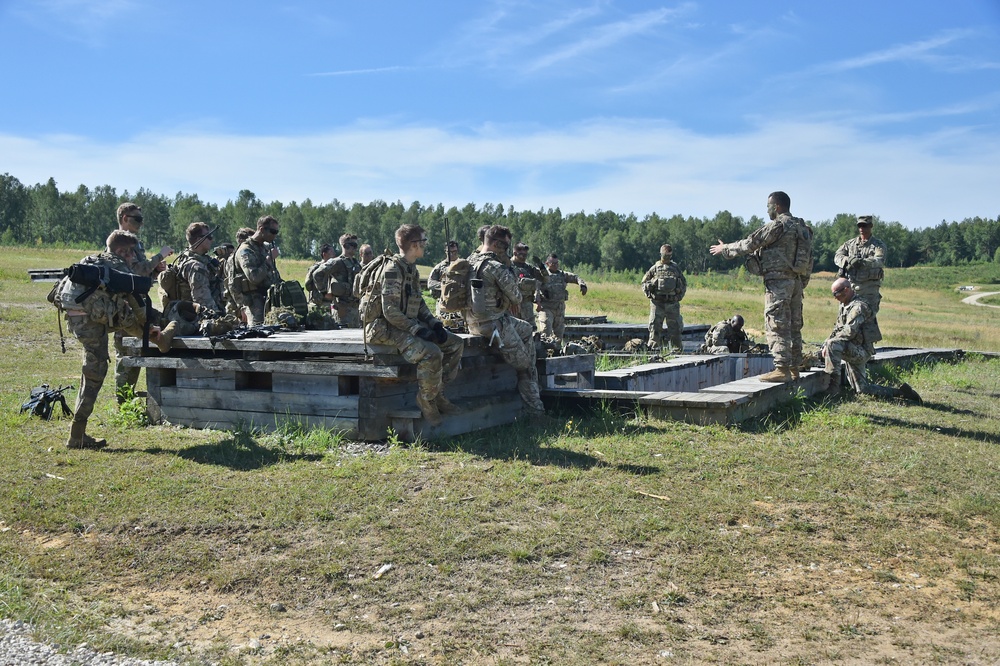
<point>851,342</point>
<point>198,278</point>
<point>665,286</point>
<point>785,261</point>
<point>490,317</point>
<point>554,296</point>
<point>254,270</point>
<point>367,254</point>
<point>343,270</point>
<point>90,320</point>
<point>318,279</point>
<point>129,216</point>
<point>234,301</point>
<point>434,279</point>
<point>407,325</point>
<point>726,337</point>
<point>530,281</point>
<point>862,261</point>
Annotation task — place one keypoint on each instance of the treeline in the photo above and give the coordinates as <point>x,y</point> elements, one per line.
<point>603,240</point>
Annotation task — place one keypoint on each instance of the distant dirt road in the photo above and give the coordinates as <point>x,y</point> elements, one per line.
<point>974,299</point>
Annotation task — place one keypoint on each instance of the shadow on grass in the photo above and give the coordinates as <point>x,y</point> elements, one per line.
<point>977,435</point>
<point>526,440</point>
<point>237,453</point>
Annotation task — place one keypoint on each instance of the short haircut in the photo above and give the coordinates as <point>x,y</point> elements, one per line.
<point>324,248</point>
<point>481,234</point>
<point>552,256</point>
<point>120,238</point>
<point>125,208</point>
<point>243,234</point>
<point>195,231</point>
<point>366,248</point>
<point>521,246</point>
<point>498,232</point>
<point>453,243</point>
<point>407,234</point>
<point>667,247</point>
<point>346,238</point>
<point>781,199</point>
<point>264,220</point>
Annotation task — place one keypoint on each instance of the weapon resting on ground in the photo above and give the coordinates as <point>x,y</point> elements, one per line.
<point>43,399</point>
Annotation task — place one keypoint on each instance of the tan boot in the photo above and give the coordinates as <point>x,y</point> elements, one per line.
<point>79,439</point>
<point>795,373</point>
<point>778,375</point>
<point>446,406</point>
<point>166,336</point>
<point>833,385</point>
<point>429,410</point>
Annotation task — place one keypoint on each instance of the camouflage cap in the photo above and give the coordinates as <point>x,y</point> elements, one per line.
<point>865,220</point>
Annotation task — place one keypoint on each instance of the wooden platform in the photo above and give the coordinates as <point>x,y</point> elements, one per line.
<point>319,379</point>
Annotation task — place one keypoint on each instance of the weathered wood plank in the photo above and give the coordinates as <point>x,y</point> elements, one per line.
<point>303,367</point>
<point>323,385</point>
<point>220,419</point>
<point>345,406</point>
<point>201,378</point>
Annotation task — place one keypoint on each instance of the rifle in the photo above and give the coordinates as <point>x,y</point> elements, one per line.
<point>43,398</point>
<point>244,332</point>
<point>447,237</point>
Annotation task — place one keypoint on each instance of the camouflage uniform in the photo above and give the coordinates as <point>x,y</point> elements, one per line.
<point>552,317</point>
<point>253,273</point>
<point>851,341</point>
<point>515,337</point>
<point>199,281</point>
<point>867,264</point>
<point>782,286</point>
<point>90,322</point>
<point>319,275</point>
<point>144,267</point>
<point>665,286</point>
<point>404,313</point>
<point>342,274</point>
<point>724,339</point>
<point>529,281</point>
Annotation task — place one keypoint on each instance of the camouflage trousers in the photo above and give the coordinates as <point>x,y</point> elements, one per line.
<point>552,320</point>
<point>93,338</point>
<point>661,312</point>
<point>870,292</point>
<point>526,312</point>
<point>717,349</point>
<point>437,364</point>
<point>347,315</point>
<point>516,346</point>
<point>856,358</point>
<point>253,307</point>
<point>783,320</point>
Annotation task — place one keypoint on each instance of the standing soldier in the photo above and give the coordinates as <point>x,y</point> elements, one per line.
<point>434,279</point>
<point>234,301</point>
<point>490,317</point>
<point>91,319</point>
<point>851,341</point>
<point>197,279</point>
<point>367,254</point>
<point>254,270</point>
<point>782,251</point>
<point>529,282</point>
<point>407,325</point>
<point>318,279</point>
<point>129,216</point>
<point>343,270</point>
<point>665,286</point>
<point>554,297</point>
<point>862,261</point>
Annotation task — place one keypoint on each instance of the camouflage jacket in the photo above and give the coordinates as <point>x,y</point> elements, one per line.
<point>866,260</point>
<point>777,248</point>
<point>343,270</point>
<point>253,263</point>
<point>555,292</point>
<point>500,290</point>
<point>856,324</point>
<point>319,275</point>
<point>140,265</point>
<point>200,281</point>
<point>529,280</point>
<point>664,282</point>
<point>403,306</point>
<point>724,335</point>
<point>434,279</point>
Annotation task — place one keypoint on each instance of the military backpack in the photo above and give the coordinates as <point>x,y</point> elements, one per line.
<point>458,282</point>
<point>367,287</point>
<point>288,294</point>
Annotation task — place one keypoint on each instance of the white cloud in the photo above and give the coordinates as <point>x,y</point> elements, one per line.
<point>636,166</point>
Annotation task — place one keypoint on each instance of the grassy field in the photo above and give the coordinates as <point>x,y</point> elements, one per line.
<point>854,532</point>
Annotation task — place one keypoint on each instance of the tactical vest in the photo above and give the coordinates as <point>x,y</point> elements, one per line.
<point>527,283</point>
<point>791,254</point>
<point>555,288</point>
<point>666,282</point>
<point>864,273</point>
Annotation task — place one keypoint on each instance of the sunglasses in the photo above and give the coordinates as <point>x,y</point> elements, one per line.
<point>137,218</point>
<point>271,230</point>
<point>350,244</point>
<point>839,292</point>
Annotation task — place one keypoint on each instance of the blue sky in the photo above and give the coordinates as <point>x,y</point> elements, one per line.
<point>687,107</point>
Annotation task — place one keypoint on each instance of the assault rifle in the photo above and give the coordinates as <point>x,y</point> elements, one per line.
<point>244,332</point>
<point>43,399</point>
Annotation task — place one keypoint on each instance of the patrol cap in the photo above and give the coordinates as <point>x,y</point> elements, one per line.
<point>865,220</point>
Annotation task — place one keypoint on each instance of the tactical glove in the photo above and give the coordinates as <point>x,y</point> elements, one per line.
<point>440,334</point>
<point>583,289</point>
<point>425,334</point>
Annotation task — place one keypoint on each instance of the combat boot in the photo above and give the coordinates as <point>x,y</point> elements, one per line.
<point>79,439</point>
<point>906,392</point>
<point>779,374</point>
<point>795,373</point>
<point>833,385</point>
<point>429,409</point>
<point>445,406</point>
<point>166,336</point>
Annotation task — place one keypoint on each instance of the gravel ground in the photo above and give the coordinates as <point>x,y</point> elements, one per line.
<point>17,649</point>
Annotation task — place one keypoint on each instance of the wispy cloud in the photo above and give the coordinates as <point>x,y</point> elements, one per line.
<point>925,51</point>
<point>372,70</point>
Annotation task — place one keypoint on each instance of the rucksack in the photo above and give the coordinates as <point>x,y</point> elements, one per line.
<point>456,284</point>
<point>288,294</point>
<point>170,280</point>
<point>366,287</point>
<point>803,262</point>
